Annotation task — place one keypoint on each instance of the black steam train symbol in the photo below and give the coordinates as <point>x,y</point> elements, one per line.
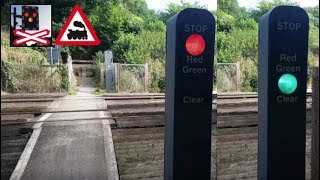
<point>78,34</point>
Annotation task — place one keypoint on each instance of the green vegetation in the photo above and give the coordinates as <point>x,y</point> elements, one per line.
<point>98,92</point>
<point>23,55</point>
<point>98,58</point>
<point>157,76</point>
<point>130,83</point>
<point>237,37</point>
<point>23,70</point>
<point>136,35</point>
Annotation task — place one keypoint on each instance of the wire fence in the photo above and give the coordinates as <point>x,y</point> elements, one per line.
<point>132,78</point>
<point>228,77</point>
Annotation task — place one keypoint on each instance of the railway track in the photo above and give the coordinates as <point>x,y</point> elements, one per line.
<point>139,140</point>
<point>137,106</point>
<point>15,136</point>
<point>43,98</point>
<point>137,123</point>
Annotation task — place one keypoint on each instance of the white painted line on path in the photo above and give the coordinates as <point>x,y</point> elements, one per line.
<point>26,154</point>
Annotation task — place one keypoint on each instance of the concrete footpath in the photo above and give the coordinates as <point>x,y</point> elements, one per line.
<point>73,149</point>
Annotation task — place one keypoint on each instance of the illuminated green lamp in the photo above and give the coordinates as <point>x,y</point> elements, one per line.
<point>287,83</point>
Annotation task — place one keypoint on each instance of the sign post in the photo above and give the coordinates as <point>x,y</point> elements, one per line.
<point>283,55</point>
<point>110,71</point>
<point>188,105</point>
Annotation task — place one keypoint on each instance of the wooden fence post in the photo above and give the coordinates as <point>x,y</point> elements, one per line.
<point>146,78</point>
<point>102,75</point>
<point>117,68</point>
<point>238,77</point>
<point>315,125</point>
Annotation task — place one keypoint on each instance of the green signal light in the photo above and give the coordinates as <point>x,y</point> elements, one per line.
<point>287,83</point>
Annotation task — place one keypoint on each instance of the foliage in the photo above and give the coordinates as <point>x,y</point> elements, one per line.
<point>63,73</point>
<point>246,24</point>
<point>246,43</point>
<point>125,49</point>
<point>225,22</point>
<point>227,52</point>
<point>157,76</point>
<point>137,7</point>
<point>227,77</point>
<point>237,38</point>
<point>249,75</point>
<point>232,8</point>
<point>98,58</point>
<point>238,43</point>
<point>136,34</point>
<point>111,21</point>
<point>155,25</point>
<point>129,82</point>
<point>313,15</point>
<point>173,9</point>
<point>23,70</point>
<point>154,49</point>
<point>7,83</point>
<point>314,40</point>
<point>138,49</point>
<point>98,92</point>
<point>31,79</point>
<point>22,54</point>
<point>264,6</point>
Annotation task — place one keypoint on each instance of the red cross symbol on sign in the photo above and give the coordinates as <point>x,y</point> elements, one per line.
<point>27,37</point>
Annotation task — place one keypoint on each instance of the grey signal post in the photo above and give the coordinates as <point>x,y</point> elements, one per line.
<point>283,49</point>
<point>188,103</point>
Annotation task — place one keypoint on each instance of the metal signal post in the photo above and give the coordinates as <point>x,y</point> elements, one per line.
<point>188,105</point>
<point>283,55</point>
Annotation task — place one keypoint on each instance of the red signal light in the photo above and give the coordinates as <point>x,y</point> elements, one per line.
<point>26,14</point>
<point>195,44</point>
<point>34,14</point>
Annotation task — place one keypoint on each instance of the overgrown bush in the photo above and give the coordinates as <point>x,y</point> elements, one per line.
<point>227,77</point>
<point>25,55</point>
<point>153,44</point>
<point>157,76</point>
<point>64,82</point>
<point>125,50</point>
<point>98,58</point>
<point>130,83</point>
<point>23,70</point>
<point>225,22</point>
<point>249,75</point>
<point>246,43</point>
<point>139,49</point>
<point>31,79</point>
<point>7,83</point>
<point>227,51</point>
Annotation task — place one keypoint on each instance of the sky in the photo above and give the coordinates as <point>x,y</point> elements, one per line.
<point>212,4</point>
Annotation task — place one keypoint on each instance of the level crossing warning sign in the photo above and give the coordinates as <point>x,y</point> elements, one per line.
<point>77,30</point>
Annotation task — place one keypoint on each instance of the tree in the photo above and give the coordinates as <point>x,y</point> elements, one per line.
<point>137,7</point>
<point>265,6</point>
<point>229,6</point>
<point>175,8</point>
<point>225,22</point>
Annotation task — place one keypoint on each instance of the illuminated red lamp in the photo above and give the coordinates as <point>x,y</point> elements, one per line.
<point>34,14</point>
<point>26,14</point>
<point>195,44</point>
